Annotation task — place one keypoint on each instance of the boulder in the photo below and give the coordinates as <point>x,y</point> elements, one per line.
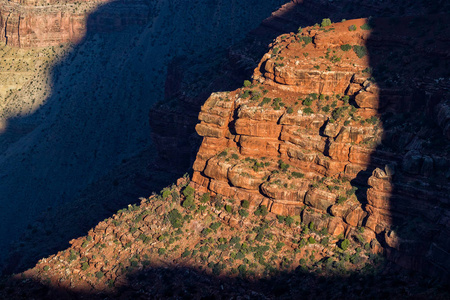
<point>320,199</point>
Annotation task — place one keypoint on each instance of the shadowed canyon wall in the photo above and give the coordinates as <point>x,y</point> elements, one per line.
<point>64,132</point>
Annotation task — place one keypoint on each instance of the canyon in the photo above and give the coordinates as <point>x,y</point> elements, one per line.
<point>332,155</point>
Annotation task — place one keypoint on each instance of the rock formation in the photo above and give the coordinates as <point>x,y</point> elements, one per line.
<point>317,120</point>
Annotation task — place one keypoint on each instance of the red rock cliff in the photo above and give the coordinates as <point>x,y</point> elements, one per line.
<point>313,125</point>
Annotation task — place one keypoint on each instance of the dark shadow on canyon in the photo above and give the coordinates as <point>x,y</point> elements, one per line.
<point>64,212</point>
<point>183,282</point>
<point>411,194</point>
<point>393,150</point>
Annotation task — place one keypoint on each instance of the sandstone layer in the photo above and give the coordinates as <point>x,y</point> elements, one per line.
<point>31,24</point>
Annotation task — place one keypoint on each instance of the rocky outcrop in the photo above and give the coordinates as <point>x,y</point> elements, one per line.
<point>312,120</point>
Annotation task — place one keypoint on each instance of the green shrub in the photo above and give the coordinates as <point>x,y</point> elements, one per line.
<point>245,204</point>
<point>99,274</point>
<point>356,259</point>
<point>325,22</point>
<point>308,110</point>
<point>214,226</point>
<point>341,199</point>
<point>189,203</point>
<point>288,220</point>
<point>224,153</point>
<point>206,231</point>
<point>162,251</point>
<point>144,238</point>
<point>290,110</point>
<point>243,213</point>
<point>240,255</point>
<point>265,100</point>
<point>205,198</point>
<point>242,270</point>
<point>360,51</point>
<point>165,194</point>
<point>255,96</point>
<point>246,94</point>
<point>351,191</point>
<point>73,255</point>
<point>298,174</point>
<point>228,208</point>
<point>344,244</point>
<point>351,28</point>
<point>188,191</point>
<point>366,26</point>
<point>175,218</point>
<point>302,243</point>
<point>326,108</point>
<point>247,83</point>
<point>306,40</point>
<point>311,240</point>
<point>307,102</point>
<point>276,104</point>
<point>346,47</point>
<point>186,253</point>
<point>372,120</point>
<point>84,266</point>
<point>235,240</point>
<point>283,166</point>
<point>175,196</point>
<point>279,245</point>
<point>280,219</point>
<point>261,211</point>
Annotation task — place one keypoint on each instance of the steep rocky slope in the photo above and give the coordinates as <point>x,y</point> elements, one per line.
<point>182,243</point>
<point>324,117</point>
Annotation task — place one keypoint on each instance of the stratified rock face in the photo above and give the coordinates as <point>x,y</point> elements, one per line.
<point>35,30</point>
<point>321,112</point>
<point>30,24</point>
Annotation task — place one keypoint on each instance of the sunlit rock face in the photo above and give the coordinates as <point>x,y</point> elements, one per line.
<point>83,109</point>
<point>328,131</point>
